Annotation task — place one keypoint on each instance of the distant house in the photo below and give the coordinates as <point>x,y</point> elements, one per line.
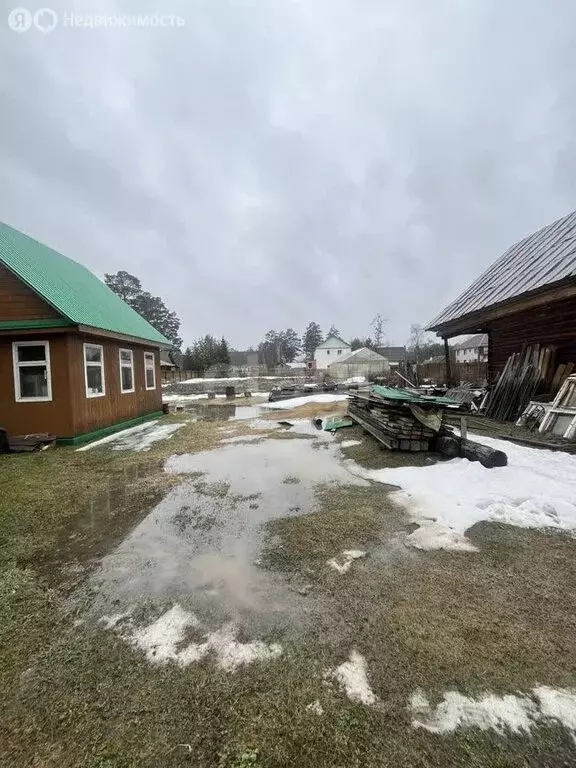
<point>362,362</point>
<point>166,362</point>
<point>528,296</point>
<point>75,360</point>
<point>331,350</point>
<point>396,356</point>
<point>472,350</point>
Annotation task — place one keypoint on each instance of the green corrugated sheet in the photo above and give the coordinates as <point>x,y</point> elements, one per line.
<point>411,397</point>
<point>71,288</point>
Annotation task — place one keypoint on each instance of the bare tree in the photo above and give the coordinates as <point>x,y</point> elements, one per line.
<point>417,338</point>
<point>378,324</point>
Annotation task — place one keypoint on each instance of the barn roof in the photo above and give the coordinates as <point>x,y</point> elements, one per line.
<point>479,340</point>
<point>70,288</point>
<point>541,259</point>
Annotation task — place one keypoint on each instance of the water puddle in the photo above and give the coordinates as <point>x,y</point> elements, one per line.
<point>200,546</point>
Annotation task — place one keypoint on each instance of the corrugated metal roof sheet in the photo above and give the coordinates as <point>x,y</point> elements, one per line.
<point>542,258</point>
<point>392,354</point>
<point>71,288</point>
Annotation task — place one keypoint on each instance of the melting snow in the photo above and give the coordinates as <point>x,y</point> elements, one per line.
<point>138,438</point>
<point>315,707</point>
<point>499,713</point>
<point>352,676</point>
<point>350,443</point>
<point>163,641</point>
<point>347,557</point>
<point>536,490</point>
<point>294,402</point>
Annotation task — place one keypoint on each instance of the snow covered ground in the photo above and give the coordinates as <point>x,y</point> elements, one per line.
<point>233,378</point>
<point>514,712</point>
<point>139,438</point>
<point>295,402</point>
<point>536,490</point>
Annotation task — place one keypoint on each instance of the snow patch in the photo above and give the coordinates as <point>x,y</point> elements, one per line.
<point>350,443</point>
<point>174,397</point>
<point>347,558</point>
<point>353,677</point>
<point>140,438</point>
<point>536,490</point>
<point>431,535</point>
<point>316,708</point>
<point>163,640</point>
<point>295,402</point>
<point>516,713</point>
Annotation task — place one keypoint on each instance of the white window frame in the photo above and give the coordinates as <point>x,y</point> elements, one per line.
<point>100,365</point>
<point>147,356</point>
<point>16,364</point>
<point>559,410</point>
<point>126,365</point>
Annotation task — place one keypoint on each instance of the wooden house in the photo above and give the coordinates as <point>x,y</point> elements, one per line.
<point>75,360</point>
<point>527,297</point>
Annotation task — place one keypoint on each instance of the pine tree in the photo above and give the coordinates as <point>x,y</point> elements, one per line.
<point>311,339</point>
<point>151,308</point>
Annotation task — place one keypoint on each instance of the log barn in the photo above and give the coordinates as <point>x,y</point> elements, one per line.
<point>75,360</point>
<point>527,297</point>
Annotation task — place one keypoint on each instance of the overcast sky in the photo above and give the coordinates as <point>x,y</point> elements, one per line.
<point>272,162</point>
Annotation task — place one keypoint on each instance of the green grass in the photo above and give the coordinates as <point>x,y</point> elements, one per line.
<point>76,695</point>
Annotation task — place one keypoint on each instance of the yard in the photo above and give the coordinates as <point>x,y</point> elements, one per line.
<point>219,590</point>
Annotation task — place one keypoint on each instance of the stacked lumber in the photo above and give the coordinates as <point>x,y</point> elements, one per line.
<point>524,373</point>
<point>392,423</point>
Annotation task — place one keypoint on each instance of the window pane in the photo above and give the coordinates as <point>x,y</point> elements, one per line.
<point>33,381</point>
<point>93,354</point>
<point>126,356</point>
<point>126,374</point>
<point>31,353</point>
<point>569,399</point>
<point>560,424</point>
<point>94,379</point>
<point>150,378</point>
<point>149,360</point>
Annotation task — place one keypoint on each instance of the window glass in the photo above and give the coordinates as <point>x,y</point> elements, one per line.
<point>33,381</point>
<point>31,353</point>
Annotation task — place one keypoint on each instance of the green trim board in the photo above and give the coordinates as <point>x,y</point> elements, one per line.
<point>71,288</point>
<point>98,434</point>
<point>23,325</point>
<point>409,396</point>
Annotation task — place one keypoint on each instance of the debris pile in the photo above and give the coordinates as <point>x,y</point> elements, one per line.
<point>399,419</point>
<point>525,374</point>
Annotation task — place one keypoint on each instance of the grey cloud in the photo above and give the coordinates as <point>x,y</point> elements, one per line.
<point>272,163</point>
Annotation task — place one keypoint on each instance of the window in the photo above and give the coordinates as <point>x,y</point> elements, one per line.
<point>339,351</point>
<point>149,370</point>
<point>126,371</point>
<point>94,370</point>
<point>32,381</point>
<point>327,351</point>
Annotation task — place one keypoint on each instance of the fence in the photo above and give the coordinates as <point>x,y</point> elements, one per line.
<point>473,373</point>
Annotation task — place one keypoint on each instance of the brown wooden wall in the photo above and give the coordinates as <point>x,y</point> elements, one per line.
<point>93,413</point>
<point>71,413</point>
<point>18,302</point>
<point>24,418</point>
<point>553,324</point>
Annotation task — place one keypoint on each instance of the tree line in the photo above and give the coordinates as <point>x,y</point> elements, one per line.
<point>277,347</point>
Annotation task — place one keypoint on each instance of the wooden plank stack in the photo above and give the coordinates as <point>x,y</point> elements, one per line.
<point>390,422</point>
<point>523,375</point>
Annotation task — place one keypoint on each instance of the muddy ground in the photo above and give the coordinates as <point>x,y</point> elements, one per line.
<point>177,606</point>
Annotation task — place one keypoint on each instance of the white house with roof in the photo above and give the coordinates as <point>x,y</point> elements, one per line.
<point>330,351</point>
<point>472,350</point>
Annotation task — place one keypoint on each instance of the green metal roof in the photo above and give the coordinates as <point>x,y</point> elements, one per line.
<point>70,288</point>
<point>409,396</point>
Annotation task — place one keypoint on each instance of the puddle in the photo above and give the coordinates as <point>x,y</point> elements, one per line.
<point>200,546</point>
